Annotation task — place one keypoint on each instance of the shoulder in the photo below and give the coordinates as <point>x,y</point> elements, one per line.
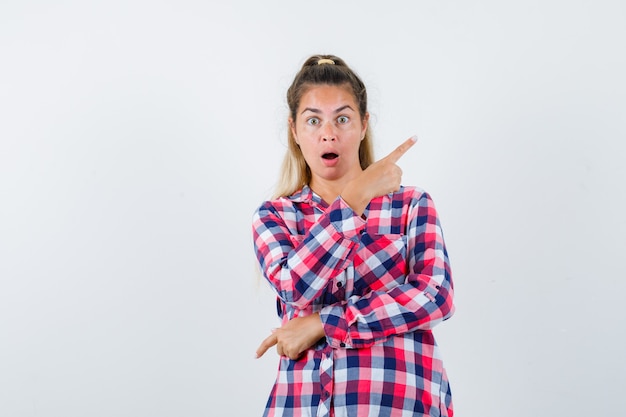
<point>411,194</point>
<point>411,190</point>
<point>281,206</point>
<point>417,200</point>
<point>277,205</point>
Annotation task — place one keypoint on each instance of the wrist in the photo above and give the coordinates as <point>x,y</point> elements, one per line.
<point>355,199</point>
<point>319,326</point>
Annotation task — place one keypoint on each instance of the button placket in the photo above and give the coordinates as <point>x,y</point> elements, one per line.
<point>326,381</point>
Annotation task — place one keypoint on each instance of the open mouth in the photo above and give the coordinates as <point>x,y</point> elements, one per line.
<point>330,155</point>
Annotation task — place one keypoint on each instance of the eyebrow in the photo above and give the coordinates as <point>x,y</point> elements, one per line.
<point>312,110</point>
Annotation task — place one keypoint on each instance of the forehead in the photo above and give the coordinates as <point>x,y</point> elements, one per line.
<point>322,95</point>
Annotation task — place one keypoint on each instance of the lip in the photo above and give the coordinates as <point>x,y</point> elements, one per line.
<point>330,162</point>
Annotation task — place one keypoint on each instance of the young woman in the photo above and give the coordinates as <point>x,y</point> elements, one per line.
<point>358,263</point>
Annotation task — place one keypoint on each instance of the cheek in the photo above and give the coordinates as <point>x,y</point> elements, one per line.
<point>305,148</point>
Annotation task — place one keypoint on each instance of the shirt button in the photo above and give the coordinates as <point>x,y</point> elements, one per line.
<point>339,285</point>
<point>342,344</point>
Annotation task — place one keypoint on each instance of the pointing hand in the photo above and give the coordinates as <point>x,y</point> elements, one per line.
<point>380,178</point>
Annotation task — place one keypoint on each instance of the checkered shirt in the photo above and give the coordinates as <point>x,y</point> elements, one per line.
<point>380,282</point>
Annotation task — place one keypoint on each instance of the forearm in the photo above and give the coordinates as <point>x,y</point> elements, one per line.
<point>396,303</point>
<point>364,321</point>
<point>300,266</point>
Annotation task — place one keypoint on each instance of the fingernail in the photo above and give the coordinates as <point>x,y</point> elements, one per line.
<point>414,138</point>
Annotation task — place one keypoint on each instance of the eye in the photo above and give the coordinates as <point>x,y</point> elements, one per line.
<point>343,119</point>
<point>313,121</point>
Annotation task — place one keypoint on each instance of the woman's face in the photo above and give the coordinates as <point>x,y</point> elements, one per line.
<point>329,130</point>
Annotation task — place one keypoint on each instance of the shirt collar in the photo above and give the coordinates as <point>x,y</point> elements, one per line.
<point>306,195</point>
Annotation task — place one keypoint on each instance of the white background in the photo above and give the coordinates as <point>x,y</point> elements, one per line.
<point>137,138</point>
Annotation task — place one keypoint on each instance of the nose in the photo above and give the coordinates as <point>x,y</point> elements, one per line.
<point>328,133</point>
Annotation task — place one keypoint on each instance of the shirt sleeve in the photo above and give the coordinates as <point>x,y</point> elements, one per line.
<point>421,302</point>
<point>299,267</point>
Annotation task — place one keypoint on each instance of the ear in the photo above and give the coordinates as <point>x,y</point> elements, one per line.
<point>292,126</point>
<point>364,125</point>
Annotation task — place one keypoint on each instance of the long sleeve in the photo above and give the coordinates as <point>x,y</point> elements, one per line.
<point>379,283</point>
<point>297,261</point>
<point>424,299</point>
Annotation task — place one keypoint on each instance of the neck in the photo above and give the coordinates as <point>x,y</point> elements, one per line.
<point>329,190</point>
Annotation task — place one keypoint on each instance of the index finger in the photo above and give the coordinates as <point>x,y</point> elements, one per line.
<point>269,341</point>
<point>397,153</point>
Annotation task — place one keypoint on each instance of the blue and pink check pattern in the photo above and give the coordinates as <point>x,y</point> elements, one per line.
<point>380,282</point>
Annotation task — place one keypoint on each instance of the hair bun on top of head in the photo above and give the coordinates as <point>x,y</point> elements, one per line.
<point>323,61</point>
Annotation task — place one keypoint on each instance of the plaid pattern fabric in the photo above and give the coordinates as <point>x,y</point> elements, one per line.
<point>380,282</point>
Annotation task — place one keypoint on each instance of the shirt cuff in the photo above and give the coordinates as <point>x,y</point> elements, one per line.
<point>345,220</point>
<point>335,327</point>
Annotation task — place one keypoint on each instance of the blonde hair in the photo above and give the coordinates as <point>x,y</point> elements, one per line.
<point>319,70</point>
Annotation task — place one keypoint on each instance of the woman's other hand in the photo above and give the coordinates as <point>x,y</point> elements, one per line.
<point>295,337</point>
